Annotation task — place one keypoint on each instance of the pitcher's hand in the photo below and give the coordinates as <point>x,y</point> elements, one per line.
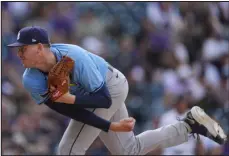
<point>124,125</point>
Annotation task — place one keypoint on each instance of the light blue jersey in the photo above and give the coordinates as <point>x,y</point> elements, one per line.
<point>88,74</point>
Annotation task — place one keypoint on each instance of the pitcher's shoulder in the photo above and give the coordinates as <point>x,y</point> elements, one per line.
<point>63,46</point>
<point>34,78</point>
<point>71,50</point>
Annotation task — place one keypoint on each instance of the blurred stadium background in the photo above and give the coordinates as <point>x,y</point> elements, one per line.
<point>174,54</point>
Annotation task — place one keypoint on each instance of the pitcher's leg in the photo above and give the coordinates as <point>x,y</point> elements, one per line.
<point>127,143</point>
<point>70,136</point>
<point>167,136</point>
<point>77,139</point>
<point>120,143</point>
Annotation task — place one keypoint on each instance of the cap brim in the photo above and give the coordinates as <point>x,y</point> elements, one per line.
<point>16,44</point>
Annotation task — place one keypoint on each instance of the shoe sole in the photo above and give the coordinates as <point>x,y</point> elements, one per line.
<point>212,126</point>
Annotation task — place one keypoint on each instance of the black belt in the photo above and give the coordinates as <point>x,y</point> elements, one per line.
<point>111,68</point>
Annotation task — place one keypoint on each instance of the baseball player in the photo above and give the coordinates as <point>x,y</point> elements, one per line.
<point>96,101</point>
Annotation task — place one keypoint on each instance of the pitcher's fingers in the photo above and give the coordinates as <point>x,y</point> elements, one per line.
<point>132,119</point>
<point>129,120</point>
<point>131,126</point>
<point>52,88</point>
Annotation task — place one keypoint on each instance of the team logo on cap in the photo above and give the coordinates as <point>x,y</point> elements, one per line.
<point>18,36</point>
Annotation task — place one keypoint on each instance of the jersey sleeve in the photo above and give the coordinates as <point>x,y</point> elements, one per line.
<point>82,115</point>
<point>88,75</point>
<point>36,85</point>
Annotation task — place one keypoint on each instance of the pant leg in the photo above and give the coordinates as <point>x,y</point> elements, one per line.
<point>69,138</point>
<point>121,143</point>
<point>78,136</point>
<point>126,143</point>
<point>166,136</point>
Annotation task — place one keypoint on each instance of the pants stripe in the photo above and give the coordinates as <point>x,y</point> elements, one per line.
<point>77,137</point>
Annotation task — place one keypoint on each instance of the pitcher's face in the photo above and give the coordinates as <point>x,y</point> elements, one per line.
<point>29,55</point>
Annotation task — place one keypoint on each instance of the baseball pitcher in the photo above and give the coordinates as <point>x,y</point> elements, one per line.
<point>84,87</point>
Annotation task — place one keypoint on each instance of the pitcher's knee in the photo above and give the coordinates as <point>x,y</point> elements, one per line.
<point>127,151</point>
<point>130,148</point>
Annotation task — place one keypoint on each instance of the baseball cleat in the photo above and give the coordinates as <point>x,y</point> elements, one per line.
<point>202,124</point>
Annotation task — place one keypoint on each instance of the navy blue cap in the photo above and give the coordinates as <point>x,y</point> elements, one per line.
<point>31,35</point>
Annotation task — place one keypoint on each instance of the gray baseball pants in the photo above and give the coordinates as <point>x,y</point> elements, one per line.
<point>78,136</point>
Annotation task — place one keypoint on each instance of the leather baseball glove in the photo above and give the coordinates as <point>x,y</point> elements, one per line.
<point>58,78</point>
